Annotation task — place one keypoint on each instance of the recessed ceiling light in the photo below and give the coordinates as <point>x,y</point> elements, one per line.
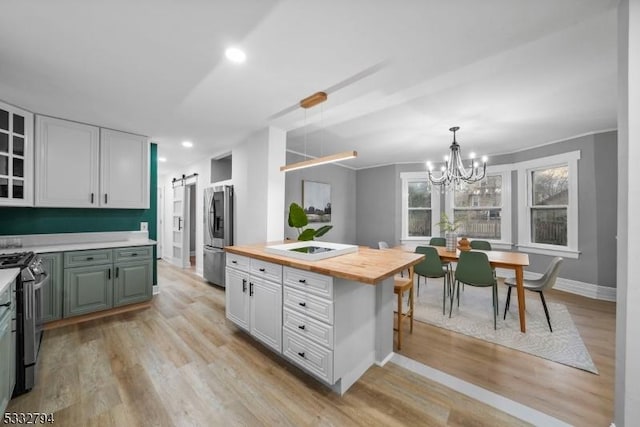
<point>187,144</point>
<point>236,55</point>
<point>162,159</point>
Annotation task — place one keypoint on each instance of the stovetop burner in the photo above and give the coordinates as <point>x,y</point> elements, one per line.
<point>17,260</point>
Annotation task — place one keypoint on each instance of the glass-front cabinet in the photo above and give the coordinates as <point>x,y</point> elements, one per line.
<point>16,156</point>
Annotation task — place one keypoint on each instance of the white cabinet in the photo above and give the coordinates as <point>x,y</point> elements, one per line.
<point>83,166</point>
<point>254,298</point>
<point>7,347</point>
<point>16,156</point>
<point>124,170</point>
<point>67,163</point>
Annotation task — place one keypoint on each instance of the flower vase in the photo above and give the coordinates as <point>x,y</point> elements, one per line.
<point>451,241</point>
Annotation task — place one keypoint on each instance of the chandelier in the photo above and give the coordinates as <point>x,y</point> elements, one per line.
<point>454,170</point>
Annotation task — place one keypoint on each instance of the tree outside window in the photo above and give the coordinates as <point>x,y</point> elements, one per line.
<point>418,209</point>
<point>478,207</point>
<point>549,205</point>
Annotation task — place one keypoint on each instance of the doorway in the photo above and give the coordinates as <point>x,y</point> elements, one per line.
<point>191,214</point>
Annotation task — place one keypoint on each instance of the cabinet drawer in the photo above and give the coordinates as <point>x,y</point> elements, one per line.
<point>266,270</point>
<point>86,258</point>
<point>309,355</point>
<point>133,253</point>
<point>310,305</point>
<point>237,261</point>
<point>303,325</point>
<point>317,284</point>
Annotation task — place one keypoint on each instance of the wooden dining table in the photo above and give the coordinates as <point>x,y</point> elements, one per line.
<point>498,259</point>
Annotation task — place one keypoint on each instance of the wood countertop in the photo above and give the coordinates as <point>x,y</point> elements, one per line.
<point>367,265</point>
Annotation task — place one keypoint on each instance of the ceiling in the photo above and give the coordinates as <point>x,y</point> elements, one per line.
<point>511,74</point>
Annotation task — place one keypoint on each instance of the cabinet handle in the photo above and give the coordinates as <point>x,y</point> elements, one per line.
<point>301,354</point>
<point>105,198</point>
<point>303,304</point>
<point>302,281</point>
<point>179,223</point>
<point>250,289</point>
<point>109,276</point>
<point>134,254</point>
<point>261,269</point>
<point>301,327</point>
<point>117,272</point>
<point>91,198</point>
<point>244,285</point>
<point>89,258</point>
<point>6,305</point>
<point>234,262</point>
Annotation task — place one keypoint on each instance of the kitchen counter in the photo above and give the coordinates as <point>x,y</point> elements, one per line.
<point>6,277</point>
<point>64,247</point>
<point>368,265</point>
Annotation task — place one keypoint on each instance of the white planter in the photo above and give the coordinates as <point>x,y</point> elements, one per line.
<point>452,241</point>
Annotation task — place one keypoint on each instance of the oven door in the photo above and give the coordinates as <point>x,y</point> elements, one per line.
<point>32,292</point>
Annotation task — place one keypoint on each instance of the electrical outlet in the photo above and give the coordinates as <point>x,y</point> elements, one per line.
<point>144,226</point>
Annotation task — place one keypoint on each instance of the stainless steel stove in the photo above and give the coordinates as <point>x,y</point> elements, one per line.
<point>27,326</point>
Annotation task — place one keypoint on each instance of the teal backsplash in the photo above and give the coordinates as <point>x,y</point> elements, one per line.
<point>71,220</point>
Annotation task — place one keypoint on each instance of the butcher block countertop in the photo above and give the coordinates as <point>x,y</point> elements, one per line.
<point>366,266</point>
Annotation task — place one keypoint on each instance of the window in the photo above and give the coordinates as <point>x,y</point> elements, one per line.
<point>418,206</point>
<point>478,207</point>
<point>548,192</point>
<point>483,208</point>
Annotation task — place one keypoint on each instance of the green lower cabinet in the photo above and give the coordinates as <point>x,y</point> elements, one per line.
<point>133,282</point>
<point>87,289</point>
<point>52,295</point>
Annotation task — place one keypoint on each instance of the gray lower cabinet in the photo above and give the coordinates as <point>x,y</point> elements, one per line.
<point>132,282</point>
<point>52,295</point>
<point>87,289</point>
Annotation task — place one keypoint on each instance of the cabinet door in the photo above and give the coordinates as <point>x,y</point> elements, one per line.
<point>6,388</point>
<point>87,289</point>
<point>133,282</point>
<point>16,156</point>
<point>124,170</point>
<point>266,312</point>
<point>67,155</point>
<point>52,295</point>
<point>237,297</point>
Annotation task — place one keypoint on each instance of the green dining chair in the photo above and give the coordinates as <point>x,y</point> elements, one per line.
<point>474,270</point>
<point>547,281</point>
<point>438,241</point>
<point>480,245</point>
<point>432,267</point>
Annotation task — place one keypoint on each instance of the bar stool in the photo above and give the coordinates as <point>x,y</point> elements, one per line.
<point>401,286</point>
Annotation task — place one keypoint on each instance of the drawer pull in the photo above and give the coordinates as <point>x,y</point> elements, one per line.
<point>6,305</point>
<point>301,327</point>
<point>244,285</point>
<point>303,304</point>
<point>89,258</point>
<point>261,269</point>
<point>250,289</point>
<point>134,254</point>
<point>301,354</point>
<point>302,280</point>
<point>234,262</point>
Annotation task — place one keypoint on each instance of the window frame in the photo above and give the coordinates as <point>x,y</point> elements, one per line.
<point>525,204</point>
<point>406,178</point>
<point>506,238</point>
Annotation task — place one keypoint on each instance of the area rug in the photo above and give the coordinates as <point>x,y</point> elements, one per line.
<point>474,318</point>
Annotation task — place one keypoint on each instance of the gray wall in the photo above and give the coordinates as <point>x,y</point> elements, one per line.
<point>221,169</point>
<point>597,201</point>
<point>343,198</point>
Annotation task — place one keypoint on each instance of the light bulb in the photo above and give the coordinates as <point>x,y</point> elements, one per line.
<point>475,164</point>
<point>446,158</point>
<point>472,156</point>
<point>442,169</point>
<point>429,166</point>
<point>484,159</point>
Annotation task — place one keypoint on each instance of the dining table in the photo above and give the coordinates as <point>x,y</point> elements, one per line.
<point>498,259</point>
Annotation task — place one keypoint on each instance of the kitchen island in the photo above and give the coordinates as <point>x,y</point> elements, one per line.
<point>332,317</point>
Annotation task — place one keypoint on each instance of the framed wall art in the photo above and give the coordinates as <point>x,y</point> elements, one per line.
<point>316,201</point>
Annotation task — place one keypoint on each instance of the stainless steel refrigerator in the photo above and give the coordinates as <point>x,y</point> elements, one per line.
<point>218,231</point>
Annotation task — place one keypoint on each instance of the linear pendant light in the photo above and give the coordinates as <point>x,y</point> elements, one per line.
<point>309,102</point>
<point>320,161</point>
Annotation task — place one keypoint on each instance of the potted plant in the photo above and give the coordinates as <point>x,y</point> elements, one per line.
<point>298,219</point>
<point>449,227</point>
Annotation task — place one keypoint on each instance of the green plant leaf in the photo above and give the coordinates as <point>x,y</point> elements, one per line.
<point>322,230</point>
<point>297,216</point>
<point>307,234</point>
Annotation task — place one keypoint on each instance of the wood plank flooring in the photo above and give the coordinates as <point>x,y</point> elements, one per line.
<point>572,395</point>
<point>181,363</point>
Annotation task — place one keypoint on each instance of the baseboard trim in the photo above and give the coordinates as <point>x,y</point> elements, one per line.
<point>156,289</point>
<point>589,290</point>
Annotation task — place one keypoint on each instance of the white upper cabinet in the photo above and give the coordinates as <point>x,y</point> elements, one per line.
<point>83,166</point>
<point>67,161</point>
<point>124,170</point>
<point>16,156</point>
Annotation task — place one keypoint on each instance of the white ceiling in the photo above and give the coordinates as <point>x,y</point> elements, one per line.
<point>511,74</point>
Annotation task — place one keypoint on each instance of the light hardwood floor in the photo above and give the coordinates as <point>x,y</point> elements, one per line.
<point>180,362</point>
